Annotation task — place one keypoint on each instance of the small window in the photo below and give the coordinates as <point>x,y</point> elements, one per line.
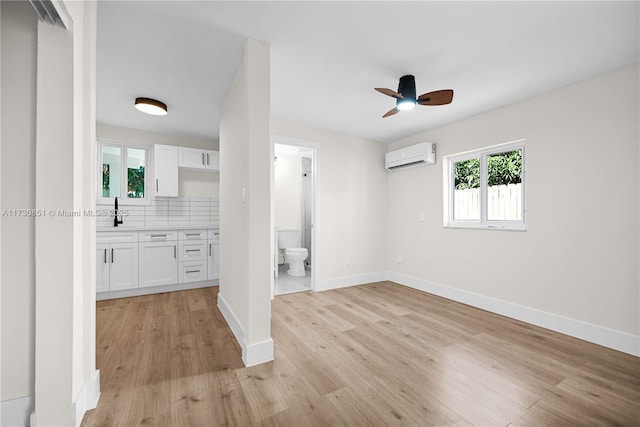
<point>485,188</point>
<point>128,183</point>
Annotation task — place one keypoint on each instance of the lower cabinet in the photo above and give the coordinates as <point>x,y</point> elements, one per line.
<point>102,267</point>
<point>158,263</point>
<point>192,256</point>
<point>116,266</point>
<point>145,259</point>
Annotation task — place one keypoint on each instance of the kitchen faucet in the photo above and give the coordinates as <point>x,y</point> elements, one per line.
<point>116,221</point>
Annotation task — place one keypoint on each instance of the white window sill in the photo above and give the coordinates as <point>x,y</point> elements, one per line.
<point>488,227</point>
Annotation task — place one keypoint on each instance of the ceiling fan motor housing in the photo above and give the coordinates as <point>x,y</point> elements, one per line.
<point>407,87</point>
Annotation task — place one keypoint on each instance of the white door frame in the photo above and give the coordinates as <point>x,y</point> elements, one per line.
<point>315,259</point>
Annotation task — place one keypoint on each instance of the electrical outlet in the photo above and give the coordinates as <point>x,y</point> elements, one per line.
<point>347,260</point>
<point>399,259</point>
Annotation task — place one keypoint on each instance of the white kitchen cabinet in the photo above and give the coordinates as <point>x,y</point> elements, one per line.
<point>166,170</point>
<point>123,272</point>
<point>213,255</point>
<point>195,158</point>
<point>192,255</point>
<point>116,261</point>
<point>140,262</point>
<point>158,252</point>
<point>102,267</point>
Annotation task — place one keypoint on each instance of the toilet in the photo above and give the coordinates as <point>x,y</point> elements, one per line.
<point>288,239</point>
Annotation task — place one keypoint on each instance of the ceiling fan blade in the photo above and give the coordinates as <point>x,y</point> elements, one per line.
<point>438,97</point>
<point>390,112</point>
<point>389,92</point>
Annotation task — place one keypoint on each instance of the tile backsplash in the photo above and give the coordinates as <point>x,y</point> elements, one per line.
<point>167,212</point>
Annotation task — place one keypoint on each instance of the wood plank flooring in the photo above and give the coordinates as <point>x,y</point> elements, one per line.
<point>379,355</point>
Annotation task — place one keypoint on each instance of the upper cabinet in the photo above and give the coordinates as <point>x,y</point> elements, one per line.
<point>166,170</point>
<point>195,158</point>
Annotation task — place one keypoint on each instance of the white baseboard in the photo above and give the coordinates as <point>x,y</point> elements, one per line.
<point>346,281</point>
<point>232,321</point>
<point>255,354</point>
<point>252,354</point>
<point>616,340</point>
<point>17,412</point>
<point>87,397</point>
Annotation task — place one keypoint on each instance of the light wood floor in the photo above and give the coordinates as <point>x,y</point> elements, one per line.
<point>379,354</point>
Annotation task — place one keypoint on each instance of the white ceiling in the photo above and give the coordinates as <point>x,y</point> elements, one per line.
<point>326,58</point>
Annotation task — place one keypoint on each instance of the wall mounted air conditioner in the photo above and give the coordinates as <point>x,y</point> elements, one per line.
<point>414,155</point>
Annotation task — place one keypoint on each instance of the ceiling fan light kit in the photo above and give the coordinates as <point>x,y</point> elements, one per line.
<point>151,106</point>
<point>406,96</point>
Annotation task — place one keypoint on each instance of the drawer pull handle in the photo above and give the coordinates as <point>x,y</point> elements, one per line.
<point>193,250</point>
<point>209,249</point>
<point>158,235</point>
<point>156,185</point>
<point>174,251</point>
<point>192,271</point>
<point>203,158</point>
<point>105,255</point>
<point>111,254</point>
<point>207,159</point>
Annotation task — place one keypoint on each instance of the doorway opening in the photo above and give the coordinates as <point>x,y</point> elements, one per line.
<point>294,203</point>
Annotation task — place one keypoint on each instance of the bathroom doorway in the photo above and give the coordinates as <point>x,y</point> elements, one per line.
<point>294,203</point>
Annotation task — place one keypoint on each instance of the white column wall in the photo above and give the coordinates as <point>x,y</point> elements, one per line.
<point>246,159</point>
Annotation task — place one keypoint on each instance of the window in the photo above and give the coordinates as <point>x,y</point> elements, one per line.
<point>123,173</point>
<point>485,188</point>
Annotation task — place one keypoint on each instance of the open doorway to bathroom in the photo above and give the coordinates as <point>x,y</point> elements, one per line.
<point>294,214</point>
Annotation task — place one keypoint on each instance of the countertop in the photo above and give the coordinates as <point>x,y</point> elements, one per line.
<point>159,228</point>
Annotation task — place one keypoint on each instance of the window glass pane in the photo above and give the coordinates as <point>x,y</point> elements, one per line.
<point>466,193</point>
<point>111,171</point>
<point>135,173</point>
<point>504,186</point>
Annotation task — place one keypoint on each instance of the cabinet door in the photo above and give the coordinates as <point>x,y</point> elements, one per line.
<point>191,158</point>
<point>123,271</point>
<point>213,269</point>
<point>212,159</point>
<point>158,263</point>
<point>166,170</point>
<point>102,267</point>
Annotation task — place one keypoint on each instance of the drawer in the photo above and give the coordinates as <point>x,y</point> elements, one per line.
<point>117,237</point>
<point>192,251</point>
<point>193,234</point>
<point>192,272</point>
<point>158,236</point>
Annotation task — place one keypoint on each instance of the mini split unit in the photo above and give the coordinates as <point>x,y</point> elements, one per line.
<point>414,155</point>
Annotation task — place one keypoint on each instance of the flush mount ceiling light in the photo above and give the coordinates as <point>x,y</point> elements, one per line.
<point>151,106</point>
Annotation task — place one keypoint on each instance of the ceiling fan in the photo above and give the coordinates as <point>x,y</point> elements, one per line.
<point>406,96</point>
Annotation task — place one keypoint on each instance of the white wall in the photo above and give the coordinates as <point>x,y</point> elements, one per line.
<point>246,159</point>
<point>287,197</point>
<point>18,139</point>
<point>579,257</point>
<point>352,198</point>
<point>48,142</point>
<point>190,183</point>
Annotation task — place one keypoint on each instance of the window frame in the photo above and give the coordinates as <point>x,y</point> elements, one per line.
<point>449,188</point>
<point>124,147</point>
